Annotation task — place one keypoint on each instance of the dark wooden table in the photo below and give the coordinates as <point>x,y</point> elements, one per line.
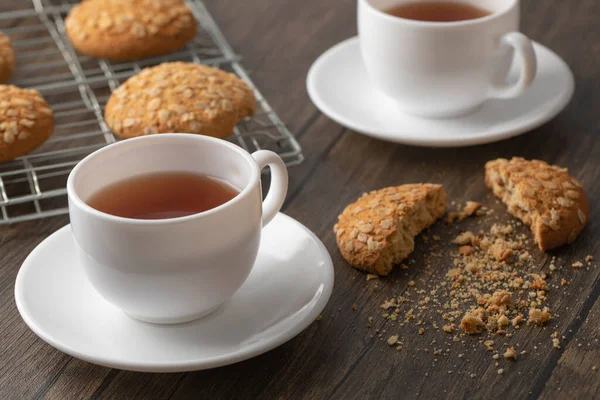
<point>336,356</point>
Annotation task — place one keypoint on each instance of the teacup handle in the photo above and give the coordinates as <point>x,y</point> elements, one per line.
<point>279,183</point>
<point>525,55</point>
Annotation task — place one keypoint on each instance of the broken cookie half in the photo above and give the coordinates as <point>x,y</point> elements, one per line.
<point>543,196</point>
<point>378,230</point>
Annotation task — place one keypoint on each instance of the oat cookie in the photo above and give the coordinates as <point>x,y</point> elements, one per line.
<point>7,58</point>
<point>179,97</point>
<point>378,230</point>
<point>543,196</point>
<point>127,30</point>
<point>26,121</point>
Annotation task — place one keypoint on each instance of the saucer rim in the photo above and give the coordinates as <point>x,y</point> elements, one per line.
<point>490,136</point>
<point>245,353</point>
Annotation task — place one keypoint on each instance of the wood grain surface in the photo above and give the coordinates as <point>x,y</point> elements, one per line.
<point>336,357</point>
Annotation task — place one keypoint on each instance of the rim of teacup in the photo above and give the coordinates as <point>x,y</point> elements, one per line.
<point>510,6</point>
<point>244,192</point>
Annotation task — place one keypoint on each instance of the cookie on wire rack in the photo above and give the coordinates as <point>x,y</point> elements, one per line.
<point>7,58</point>
<point>543,196</point>
<point>26,121</point>
<point>129,30</point>
<point>179,97</point>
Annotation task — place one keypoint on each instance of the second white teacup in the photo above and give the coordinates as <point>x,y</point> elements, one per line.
<point>444,69</point>
<point>178,269</point>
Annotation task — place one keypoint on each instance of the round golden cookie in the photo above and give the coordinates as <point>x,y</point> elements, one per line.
<point>26,121</point>
<point>7,58</point>
<point>128,30</point>
<point>179,97</point>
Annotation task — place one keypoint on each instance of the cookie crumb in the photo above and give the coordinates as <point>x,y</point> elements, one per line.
<point>517,320</point>
<point>465,250</point>
<point>510,353</point>
<point>539,317</point>
<point>392,340</point>
<point>464,238</point>
<point>503,320</point>
<point>471,208</point>
<point>372,276</point>
<point>471,324</point>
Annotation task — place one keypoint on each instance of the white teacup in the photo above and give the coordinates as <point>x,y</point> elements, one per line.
<point>444,69</point>
<point>179,269</point>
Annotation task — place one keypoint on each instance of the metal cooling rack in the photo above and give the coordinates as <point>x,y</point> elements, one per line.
<point>77,88</point>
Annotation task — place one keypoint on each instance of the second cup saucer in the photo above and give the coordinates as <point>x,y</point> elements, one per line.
<point>286,290</point>
<point>338,85</point>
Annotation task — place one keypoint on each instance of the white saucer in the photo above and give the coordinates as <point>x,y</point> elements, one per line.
<point>288,287</point>
<point>338,85</point>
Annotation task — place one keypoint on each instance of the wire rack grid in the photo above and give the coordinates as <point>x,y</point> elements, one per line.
<point>77,88</point>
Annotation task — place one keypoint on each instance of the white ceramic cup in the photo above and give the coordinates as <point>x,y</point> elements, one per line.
<point>180,269</point>
<point>445,69</point>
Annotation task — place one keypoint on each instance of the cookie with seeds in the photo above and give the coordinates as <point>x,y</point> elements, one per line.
<point>543,196</point>
<point>128,30</point>
<point>378,230</point>
<point>179,97</point>
<point>7,58</point>
<point>26,121</point>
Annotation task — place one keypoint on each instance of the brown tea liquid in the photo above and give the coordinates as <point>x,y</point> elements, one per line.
<point>162,196</point>
<point>431,11</point>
